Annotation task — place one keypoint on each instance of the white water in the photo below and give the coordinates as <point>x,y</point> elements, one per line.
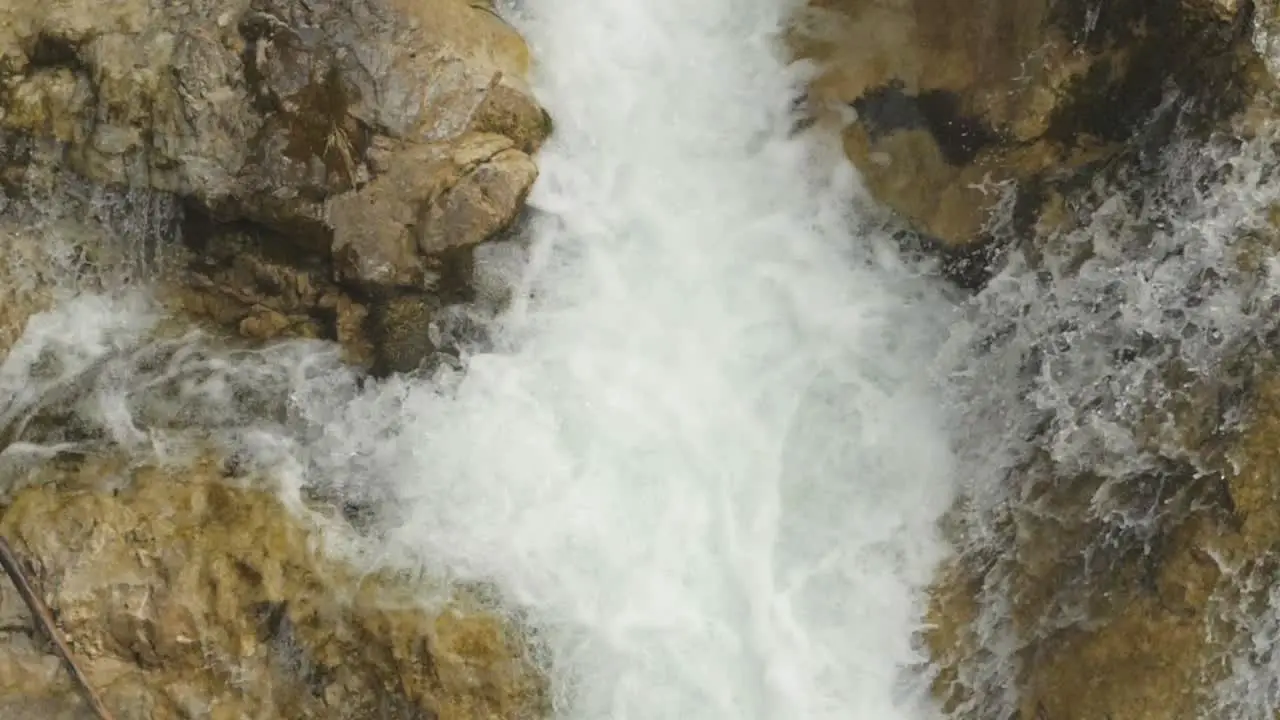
<point>704,458</point>
<point>704,462</point>
<point>696,459</point>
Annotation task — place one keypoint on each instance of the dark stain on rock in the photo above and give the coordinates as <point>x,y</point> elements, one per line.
<point>890,108</point>
<point>1095,25</point>
<point>17,157</point>
<point>213,242</point>
<point>300,90</point>
<point>321,127</point>
<point>51,51</point>
<point>1167,51</point>
<point>398,328</point>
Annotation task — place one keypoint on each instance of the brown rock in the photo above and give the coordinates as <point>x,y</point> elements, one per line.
<point>193,97</point>
<point>185,597</point>
<point>22,294</point>
<point>484,201</point>
<point>368,135</point>
<point>427,201</point>
<point>1161,625</point>
<point>400,329</point>
<point>954,96</point>
<point>267,296</point>
<point>349,327</point>
<point>72,235</point>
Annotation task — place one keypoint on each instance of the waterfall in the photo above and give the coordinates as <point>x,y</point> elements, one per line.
<point>713,452</point>
<point>700,458</point>
<point>704,458</point>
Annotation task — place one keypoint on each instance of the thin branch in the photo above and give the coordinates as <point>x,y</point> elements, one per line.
<point>44,619</point>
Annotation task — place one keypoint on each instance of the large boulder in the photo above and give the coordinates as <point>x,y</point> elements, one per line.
<point>188,593</point>
<point>369,143</point>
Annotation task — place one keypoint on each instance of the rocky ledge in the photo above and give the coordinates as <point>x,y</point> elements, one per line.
<point>188,593</point>
<point>330,168</point>
<point>335,163</point>
<point>961,114</point>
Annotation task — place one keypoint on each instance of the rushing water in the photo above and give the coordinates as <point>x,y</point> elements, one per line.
<point>1101,373</point>
<point>703,454</point>
<point>702,459</point>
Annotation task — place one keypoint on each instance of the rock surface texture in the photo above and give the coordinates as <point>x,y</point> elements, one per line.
<point>191,595</point>
<point>330,166</point>
<point>352,152</point>
<point>970,110</point>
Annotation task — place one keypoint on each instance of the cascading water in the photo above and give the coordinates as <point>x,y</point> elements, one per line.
<point>702,461</point>
<point>1101,373</point>
<point>704,457</point>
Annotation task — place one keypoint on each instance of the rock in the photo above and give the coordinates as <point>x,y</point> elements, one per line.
<point>187,594</point>
<point>65,232</point>
<point>1163,628</point>
<point>1266,34</point>
<point>252,107</point>
<point>401,331</point>
<point>22,290</point>
<point>428,200</point>
<point>1145,651</point>
<point>1123,564</point>
<point>266,290</point>
<point>491,189</point>
<point>961,105</point>
<point>370,137</point>
<point>1127,567</point>
<point>238,277</point>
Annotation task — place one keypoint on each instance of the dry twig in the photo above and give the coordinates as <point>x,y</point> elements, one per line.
<point>44,619</point>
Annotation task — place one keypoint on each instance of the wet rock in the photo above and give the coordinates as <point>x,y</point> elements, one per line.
<point>401,329</point>
<point>1166,626</point>
<point>1089,633</point>
<point>61,232</point>
<point>1123,564</point>
<point>960,105</point>
<point>23,290</point>
<point>429,200</point>
<point>1127,567</point>
<point>237,282</point>
<point>186,594</point>
<point>368,137</point>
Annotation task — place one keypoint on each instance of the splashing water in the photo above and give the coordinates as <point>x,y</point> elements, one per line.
<point>1099,374</point>
<point>704,457</point>
<point>703,462</point>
